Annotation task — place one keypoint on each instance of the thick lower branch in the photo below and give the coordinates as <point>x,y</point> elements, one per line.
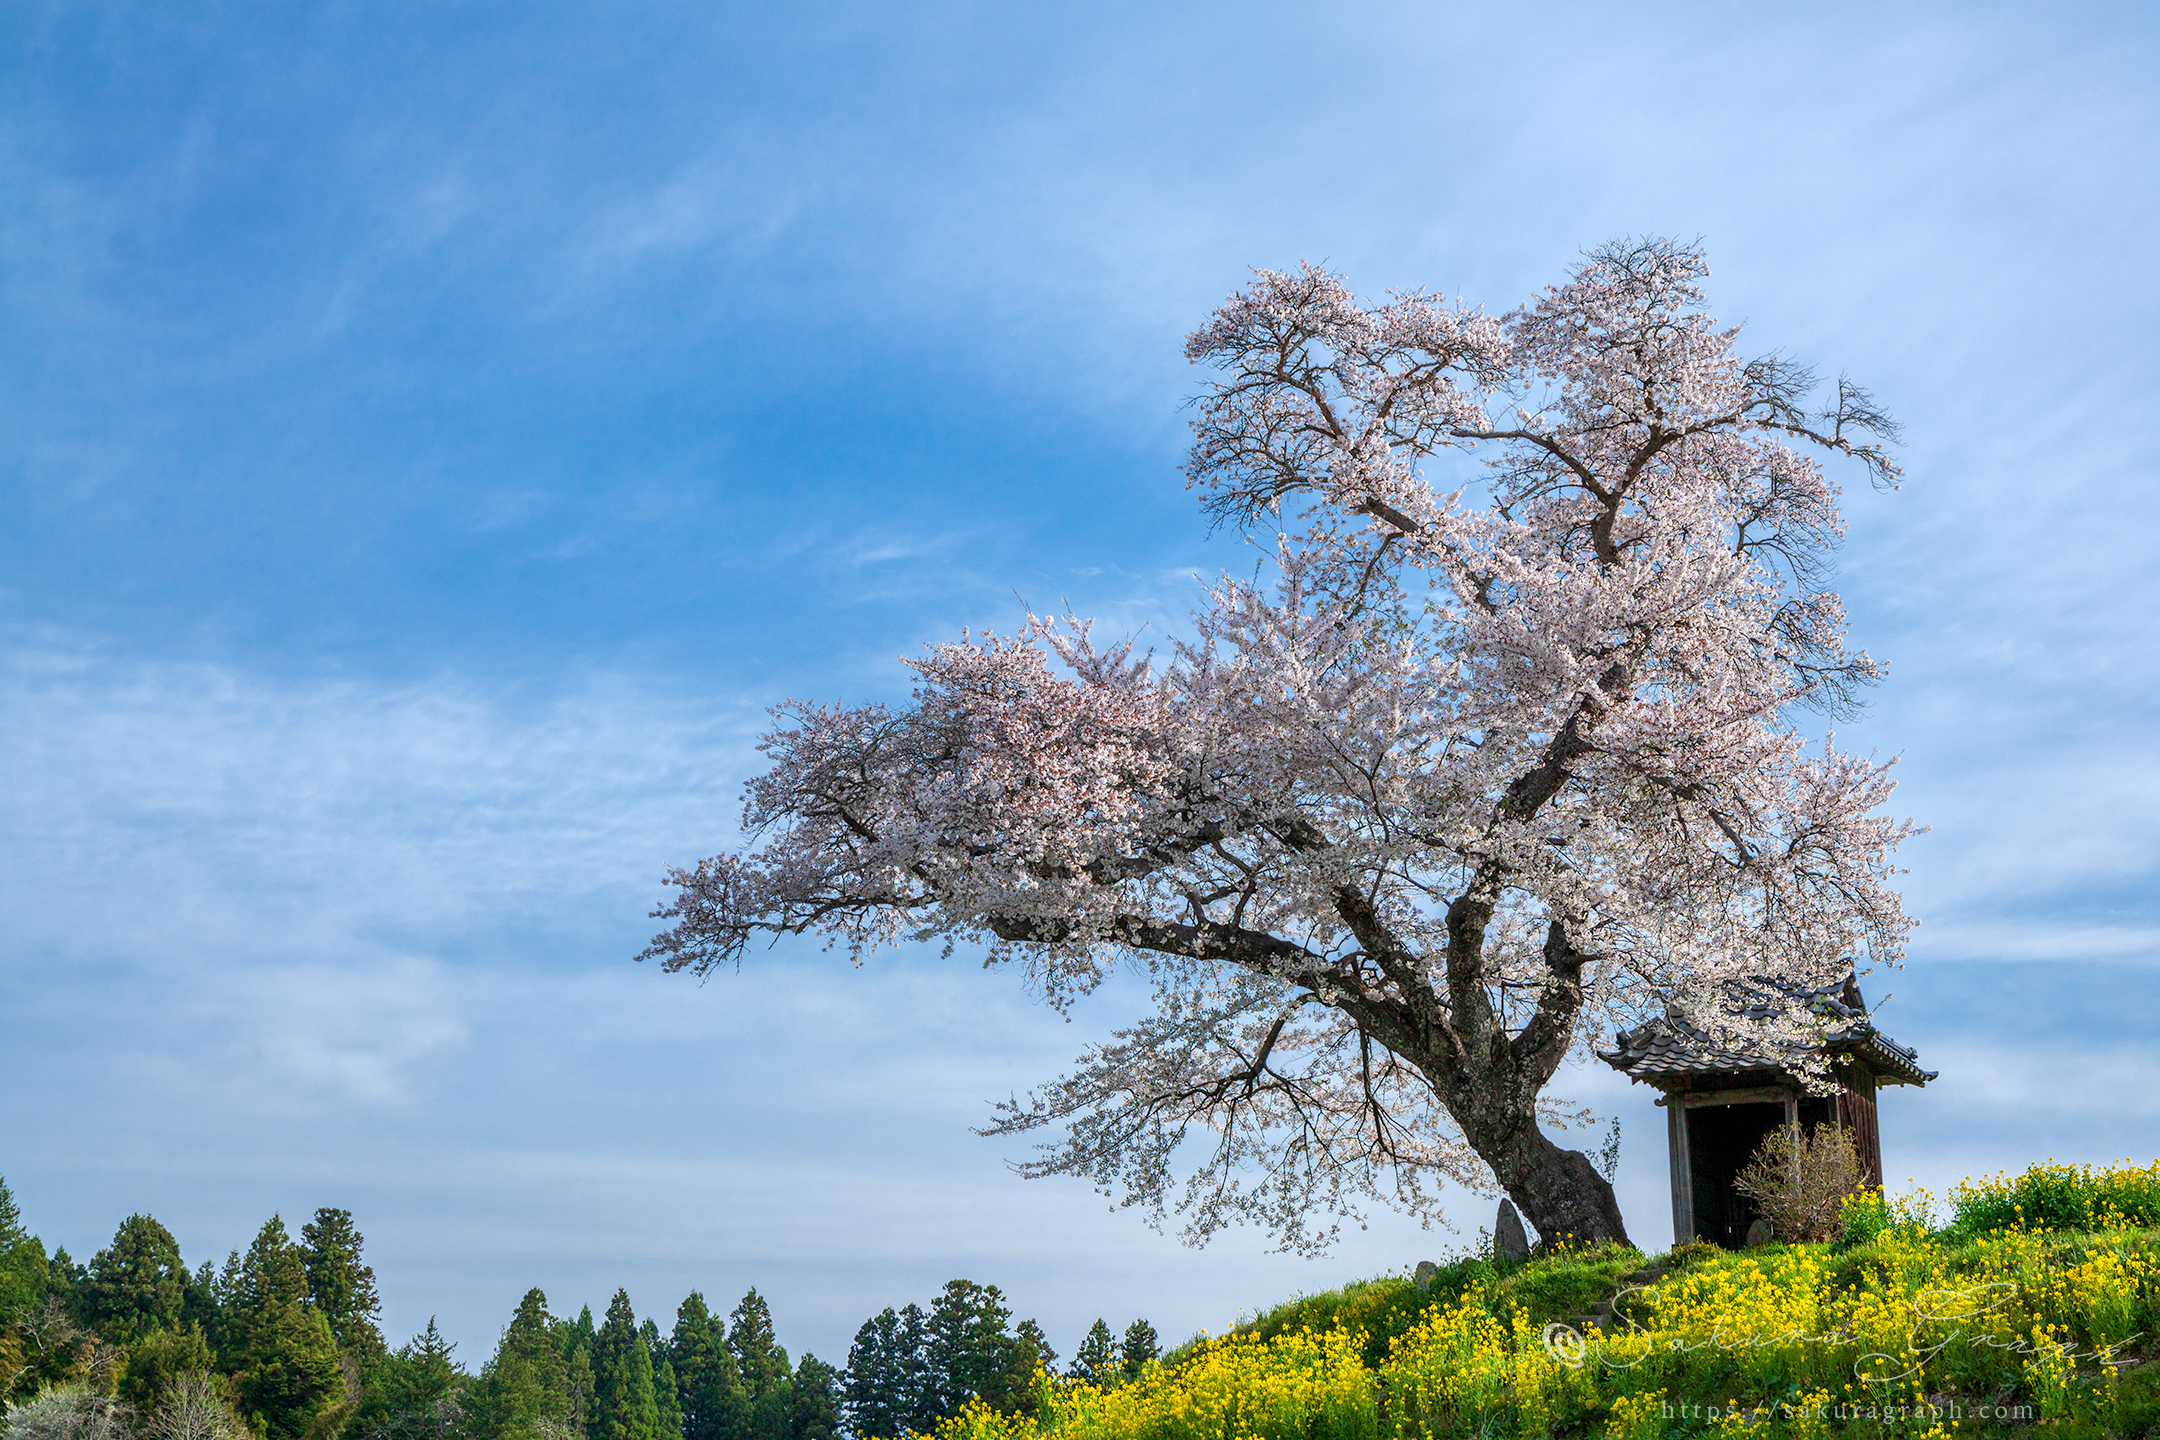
<point>1207,940</point>
<point>1537,1050</point>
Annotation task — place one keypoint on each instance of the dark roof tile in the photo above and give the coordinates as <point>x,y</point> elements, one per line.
<point>1671,1049</point>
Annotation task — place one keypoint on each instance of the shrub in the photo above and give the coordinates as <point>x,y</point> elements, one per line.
<point>67,1412</point>
<point>1799,1184</point>
<point>195,1405</point>
<point>1682,1256</point>
<point>2058,1197</point>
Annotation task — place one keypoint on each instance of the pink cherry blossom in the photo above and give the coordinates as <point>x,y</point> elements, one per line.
<point>1500,756</point>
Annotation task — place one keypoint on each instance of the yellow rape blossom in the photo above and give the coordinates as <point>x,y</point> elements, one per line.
<point>1965,1330</point>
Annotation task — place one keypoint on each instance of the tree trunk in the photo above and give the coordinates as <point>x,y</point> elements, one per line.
<point>1559,1191</point>
<point>1489,1080</point>
<point>1494,1104</point>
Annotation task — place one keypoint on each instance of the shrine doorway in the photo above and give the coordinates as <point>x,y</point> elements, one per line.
<point>1720,1141</point>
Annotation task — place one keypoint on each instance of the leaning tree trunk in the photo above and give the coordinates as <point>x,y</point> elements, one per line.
<point>1491,1091</point>
<point>1558,1191</point>
<point>1490,1081</point>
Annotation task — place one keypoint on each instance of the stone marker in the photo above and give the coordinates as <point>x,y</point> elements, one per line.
<point>1762,1232</point>
<point>1423,1276</point>
<point>1508,1240</point>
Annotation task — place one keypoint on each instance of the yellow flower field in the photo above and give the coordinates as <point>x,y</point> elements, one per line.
<point>1971,1329</point>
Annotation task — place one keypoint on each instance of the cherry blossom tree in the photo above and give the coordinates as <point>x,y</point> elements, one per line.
<point>1497,753</point>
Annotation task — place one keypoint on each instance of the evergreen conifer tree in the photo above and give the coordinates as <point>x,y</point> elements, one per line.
<point>763,1366</point>
<point>11,1226</point>
<point>274,1269</point>
<point>426,1372</point>
<point>1096,1359</point>
<point>341,1287</point>
<point>289,1371</point>
<point>1031,1355</point>
<point>271,1273</point>
<point>416,1392</point>
<point>876,1400</point>
<point>576,1339</point>
<point>223,1289</point>
<point>918,1394</point>
<point>667,1397</point>
<point>667,1400</point>
<point>579,1383</point>
<point>814,1401</point>
<point>969,1352</point>
<point>283,1358</point>
<point>759,1359</point>
<point>199,1302</point>
<point>530,1337</point>
<point>160,1358</point>
<point>136,1285</point>
<point>63,1280</point>
<point>623,1404</point>
<point>706,1380</point>
<point>1137,1349</point>
<point>527,1380</point>
<point>22,1263</point>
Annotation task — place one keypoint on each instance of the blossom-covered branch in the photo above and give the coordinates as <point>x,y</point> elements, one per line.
<point>1477,774</point>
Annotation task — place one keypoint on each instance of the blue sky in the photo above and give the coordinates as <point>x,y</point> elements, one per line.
<point>431,435</point>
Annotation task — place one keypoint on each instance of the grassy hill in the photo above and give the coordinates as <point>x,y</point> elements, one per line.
<point>2033,1306</point>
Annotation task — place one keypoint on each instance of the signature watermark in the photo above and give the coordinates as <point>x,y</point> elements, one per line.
<point>1624,1351</point>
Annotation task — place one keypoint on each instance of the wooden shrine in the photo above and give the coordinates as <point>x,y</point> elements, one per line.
<point>1721,1101</point>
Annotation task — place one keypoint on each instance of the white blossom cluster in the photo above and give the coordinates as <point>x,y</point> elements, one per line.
<point>1474,776</point>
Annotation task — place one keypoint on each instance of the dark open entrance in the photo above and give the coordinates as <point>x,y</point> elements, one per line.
<point>1721,1138</point>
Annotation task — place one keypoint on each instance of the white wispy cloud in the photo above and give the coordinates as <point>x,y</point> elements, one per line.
<point>175,785</point>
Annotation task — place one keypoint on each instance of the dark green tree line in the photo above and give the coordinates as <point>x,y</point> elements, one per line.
<point>280,1343</point>
<point>908,1369</point>
<point>284,1342</point>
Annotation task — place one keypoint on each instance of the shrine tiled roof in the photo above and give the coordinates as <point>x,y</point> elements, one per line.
<point>1672,1050</point>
